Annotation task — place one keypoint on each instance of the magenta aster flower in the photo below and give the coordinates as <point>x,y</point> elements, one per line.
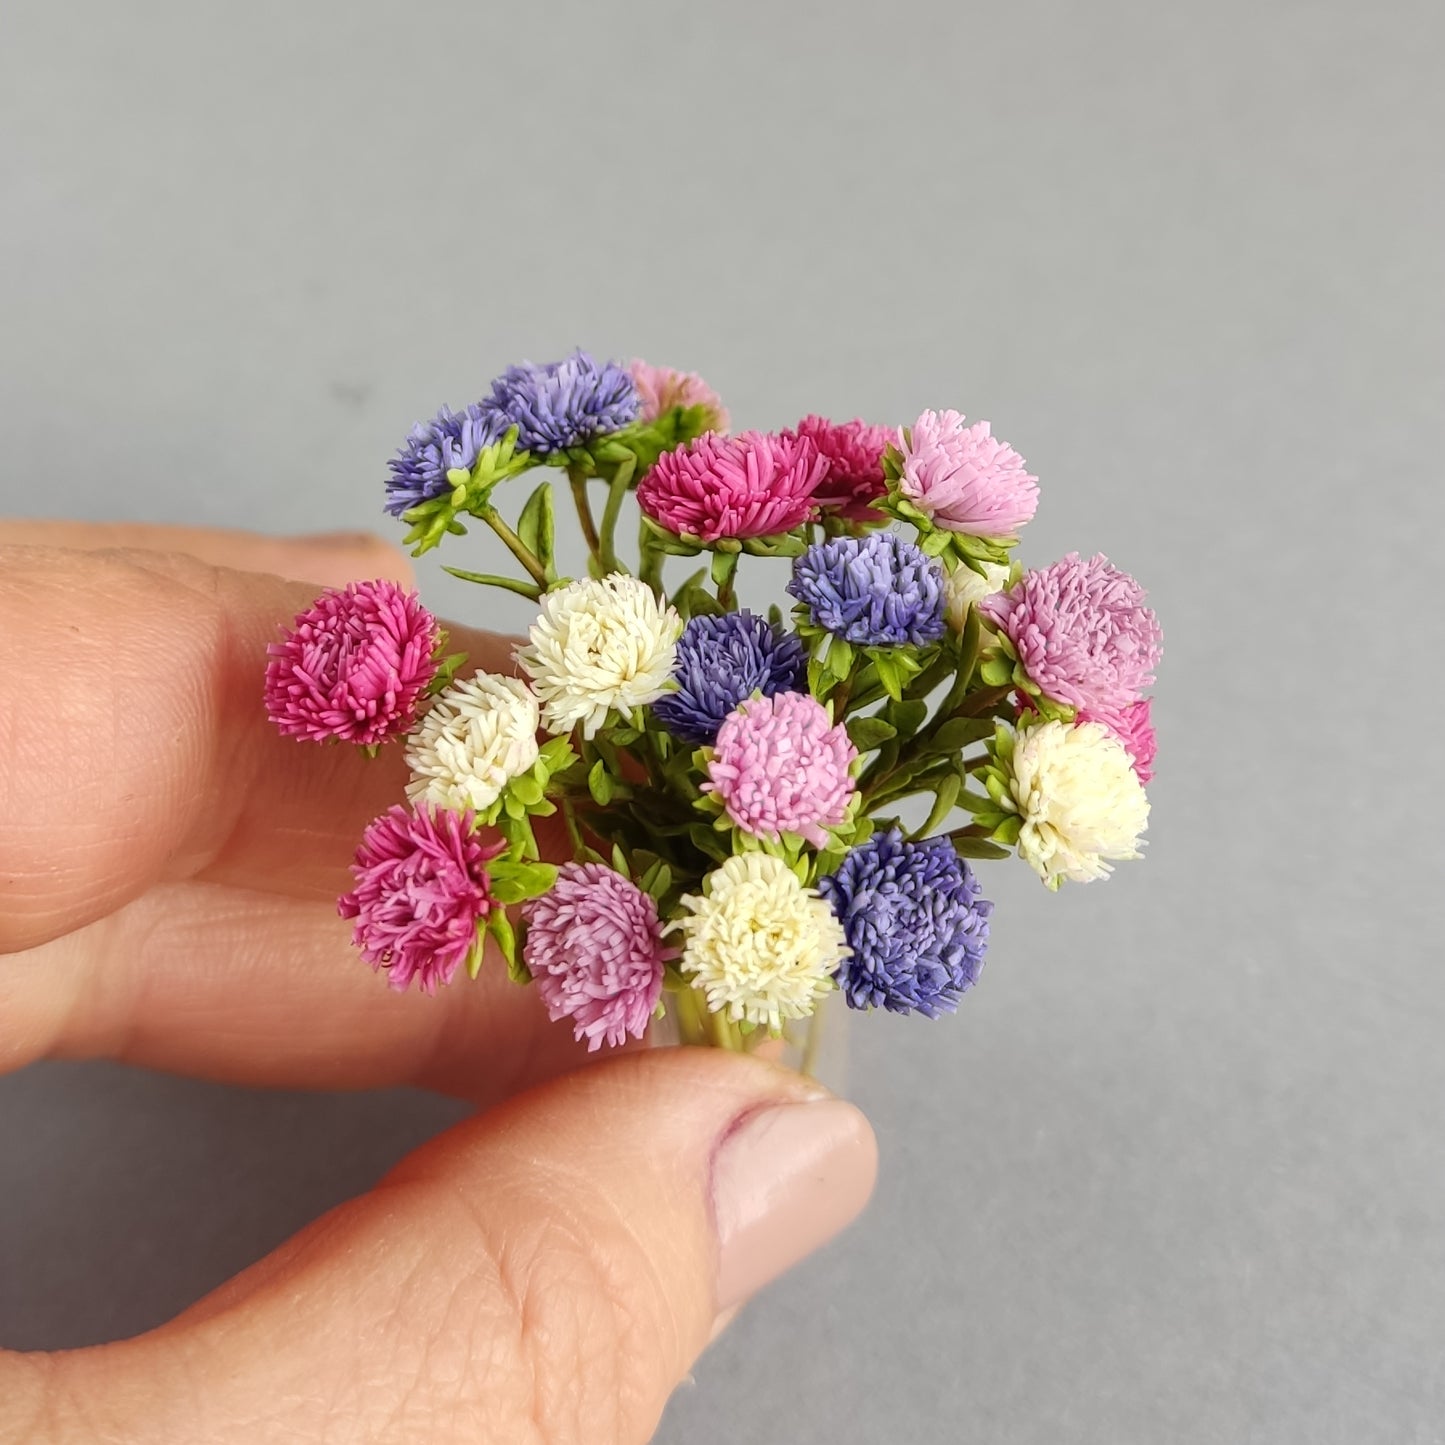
<point>963,478</point>
<point>661,389</point>
<point>1134,727</point>
<point>854,453</point>
<point>781,766</point>
<point>594,946</point>
<point>354,665</point>
<point>753,485</point>
<point>1081,631</point>
<point>422,889</point>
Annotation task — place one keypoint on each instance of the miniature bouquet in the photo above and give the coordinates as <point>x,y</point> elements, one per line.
<point>745,811</point>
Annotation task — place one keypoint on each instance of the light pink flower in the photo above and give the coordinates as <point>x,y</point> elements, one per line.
<point>594,946</point>
<point>752,485</point>
<point>781,766</point>
<point>421,890</point>
<point>661,389</point>
<point>964,478</point>
<point>1082,632</point>
<point>854,453</point>
<point>354,665</point>
<point>1134,728</point>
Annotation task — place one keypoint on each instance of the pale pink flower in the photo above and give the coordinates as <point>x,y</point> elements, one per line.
<point>1081,631</point>
<point>1134,727</point>
<point>422,889</point>
<point>854,453</point>
<point>354,665</point>
<point>965,479</point>
<point>594,947</point>
<point>752,485</point>
<point>661,389</point>
<point>781,766</point>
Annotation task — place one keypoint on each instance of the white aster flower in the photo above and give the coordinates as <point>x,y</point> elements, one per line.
<point>599,646</point>
<point>758,943</point>
<point>1082,804</point>
<point>964,588</point>
<point>479,735</point>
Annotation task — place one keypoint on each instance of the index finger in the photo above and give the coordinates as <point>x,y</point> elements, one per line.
<point>134,747</point>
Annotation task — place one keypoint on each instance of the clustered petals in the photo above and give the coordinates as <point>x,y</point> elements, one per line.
<point>564,403</point>
<point>964,478</point>
<point>755,484</point>
<point>1134,727</point>
<point>595,949</point>
<point>1082,632</point>
<point>451,441</point>
<point>855,480</point>
<point>422,890</point>
<point>354,665</point>
<point>478,735</point>
<point>661,389</point>
<point>782,766</point>
<point>876,590</point>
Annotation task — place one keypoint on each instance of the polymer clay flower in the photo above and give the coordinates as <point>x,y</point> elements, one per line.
<point>422,890</point>
<point>761,946</point>
<point>853,451</point>
<point>564,403</point>
<point>450,441</point>
<point>915,924</point>
<point>964,588</point>
<point>964,478</point>
<point>354,665</point>
<point>781,765</point>
<point>877,590</point>
<point>721,661</point>
<point>594,947</point>
<point>756,484</point>
<point>1081,631</point>
<point>1080,803</point>
<point>479,734</point>
<point>599,646</point>
<point>1134,727</point>
<point>661,389</point>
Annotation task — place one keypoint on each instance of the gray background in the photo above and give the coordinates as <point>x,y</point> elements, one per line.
<point>1176,1172</point>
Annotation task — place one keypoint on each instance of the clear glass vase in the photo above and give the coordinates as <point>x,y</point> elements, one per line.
<point>816,1046</point>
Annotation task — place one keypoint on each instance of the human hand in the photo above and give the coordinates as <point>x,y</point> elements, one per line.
<point>547,1271</point>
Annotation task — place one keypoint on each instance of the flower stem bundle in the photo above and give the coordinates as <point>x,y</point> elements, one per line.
<point>756,810</point>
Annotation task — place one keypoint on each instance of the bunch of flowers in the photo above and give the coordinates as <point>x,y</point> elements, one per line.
<point>761,809</point>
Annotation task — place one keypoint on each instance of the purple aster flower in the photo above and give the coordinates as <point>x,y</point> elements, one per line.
<point>450,439</point>
<point>917,928</point>
<point>876,591</point>
<point>564,403</point>
<point>721,661</point>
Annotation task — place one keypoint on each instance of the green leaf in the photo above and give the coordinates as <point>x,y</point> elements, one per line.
<point>600,784</point>
<point>840,658</point>
<point>477,952</point>
<point>707,840</point>
<point>537,527</point>
<point>969,643</point>
<point>619,860</point>
<point>724,565</point>
<point>889,675</point>
<point>868,733</point>
<point>977,848</point>
<point>906,716</point>
<point>557,755</point>
<point>957,733</point>
<point>1008,831</point>
<point>526,588</point>
<point>934,544</point>
<point>996,670</point>
<point>943,802</point>
<point>527,790</point>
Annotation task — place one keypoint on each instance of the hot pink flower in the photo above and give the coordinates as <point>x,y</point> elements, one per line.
<point>781,766</point>
<point>661,389</point>
<point>752,485</point>
<point>965,479</point>
<point>594,946</point>
<point>854,453</point>
<point>354,665</point>
<point>1134,728</point>
<point>1082,632</point>
<point>421,890</point>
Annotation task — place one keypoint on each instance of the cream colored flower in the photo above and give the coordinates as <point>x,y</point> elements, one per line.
<point>964,588</point>
<point>759,944</point>
<point>479,735</point>
<point>599,646</point>
<point>1083,806</point>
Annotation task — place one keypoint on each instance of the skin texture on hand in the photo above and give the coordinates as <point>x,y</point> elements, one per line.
<point>545,1272</point>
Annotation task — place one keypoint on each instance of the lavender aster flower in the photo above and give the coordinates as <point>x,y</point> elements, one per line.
<point>917,928</point>
<point>721,661</point>
<point>564,403</point>
<point>450,439</point>
<point>876,590</point>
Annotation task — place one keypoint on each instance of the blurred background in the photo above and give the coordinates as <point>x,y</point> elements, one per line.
<point>1176,1171</point>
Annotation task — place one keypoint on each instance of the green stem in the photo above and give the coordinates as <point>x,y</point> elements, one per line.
<point>617,489</point>
<point>652,559</point>
<point>584,513</point>
<point>516,546</point>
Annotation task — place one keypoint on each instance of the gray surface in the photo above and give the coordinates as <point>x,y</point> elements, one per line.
<point>1177,1172</point>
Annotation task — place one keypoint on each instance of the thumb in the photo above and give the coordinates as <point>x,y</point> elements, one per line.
<point>548,1272</point>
